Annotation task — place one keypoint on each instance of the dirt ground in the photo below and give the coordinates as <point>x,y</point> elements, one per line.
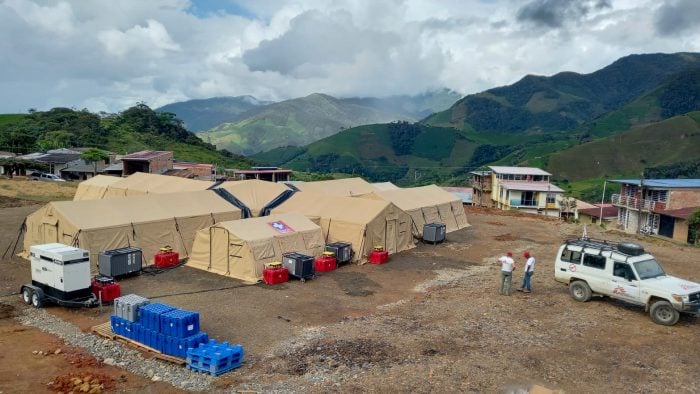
<point>430,320</point>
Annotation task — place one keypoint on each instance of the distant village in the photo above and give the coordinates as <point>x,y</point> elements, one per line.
<point>653,207</point>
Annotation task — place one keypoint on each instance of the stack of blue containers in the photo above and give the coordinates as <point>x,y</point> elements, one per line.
<point>164,328</point>
<point>214,358</point>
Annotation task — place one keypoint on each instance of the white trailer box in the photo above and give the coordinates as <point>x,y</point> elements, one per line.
<point>61,271</point>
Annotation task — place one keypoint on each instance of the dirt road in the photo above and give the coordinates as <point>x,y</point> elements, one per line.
<point>430,320</point>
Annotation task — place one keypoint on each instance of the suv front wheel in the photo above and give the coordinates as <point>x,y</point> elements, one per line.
<point>580,291</point>
<point>662,312</point>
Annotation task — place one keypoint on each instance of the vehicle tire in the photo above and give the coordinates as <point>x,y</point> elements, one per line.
<point>37,302</point>
<point>27,295</point>
<point>580,291</point>
<point>662,312</point>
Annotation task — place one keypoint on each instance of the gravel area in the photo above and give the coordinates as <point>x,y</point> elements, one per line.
<point>114,353</point>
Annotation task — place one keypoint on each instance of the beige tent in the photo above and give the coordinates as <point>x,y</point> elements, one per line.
<point>362,222</point>
<point>95,187</point>
<point>255,194</point>
<point>240,248</point>
<point>149,222</point>
<point>347,187</point>
<point>142,183</point>
<point>384,186</point>
<point>427,204</point>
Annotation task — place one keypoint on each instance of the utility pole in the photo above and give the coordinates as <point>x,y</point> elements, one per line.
<point>641,203</point>
<point>602,201</point>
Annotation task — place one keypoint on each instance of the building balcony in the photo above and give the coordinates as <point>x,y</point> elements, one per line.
<point>523,203</point>
<point>638,203</point>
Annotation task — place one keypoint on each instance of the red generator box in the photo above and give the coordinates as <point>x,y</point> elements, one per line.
<point>325,263</point>
<point>275,275</point>
<point>105,289</point>
<point>166,259</point>
<point>378,256</point>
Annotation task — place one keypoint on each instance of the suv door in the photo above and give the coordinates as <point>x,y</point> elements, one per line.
<point>624,283</point>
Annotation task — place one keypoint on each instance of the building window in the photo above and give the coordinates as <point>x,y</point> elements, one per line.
<point>551,198</point>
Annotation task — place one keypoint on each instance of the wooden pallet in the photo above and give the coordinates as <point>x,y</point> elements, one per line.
<point>105,330</point>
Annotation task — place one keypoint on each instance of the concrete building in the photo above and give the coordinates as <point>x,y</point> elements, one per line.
<point>272,174</point>
<point>527,189</point>
<point>481,185</point>
<point>148,161</point>
<point>653,206</point>
<point>592,215</point>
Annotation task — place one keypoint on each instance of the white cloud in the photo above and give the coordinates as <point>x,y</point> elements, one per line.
<point>107,55</point>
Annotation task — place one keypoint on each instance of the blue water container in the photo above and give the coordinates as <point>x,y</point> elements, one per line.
<point>180,323</point>
<point>150,315</point>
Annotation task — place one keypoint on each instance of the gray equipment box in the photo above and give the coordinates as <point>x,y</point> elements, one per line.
<point>299,265</point>
<point>341,250</point>
<point>434,232</point>
<point>127,307</point>
<point>120,262</point>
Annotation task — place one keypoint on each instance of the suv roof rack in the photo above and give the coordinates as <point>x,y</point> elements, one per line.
<point>605,246</point>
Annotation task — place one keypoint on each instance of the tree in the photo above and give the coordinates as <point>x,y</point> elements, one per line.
<point>94,155</point>
<point>694,227</point>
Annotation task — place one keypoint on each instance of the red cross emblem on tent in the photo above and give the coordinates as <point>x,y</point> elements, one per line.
<point>281,227</point>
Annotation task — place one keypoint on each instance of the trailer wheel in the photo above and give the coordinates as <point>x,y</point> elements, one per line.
<point>27,295</point>
<point>37,302</point>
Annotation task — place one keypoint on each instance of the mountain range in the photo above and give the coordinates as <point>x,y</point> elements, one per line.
<point>557,123</point>
<point>203,114</point>
<point>301,121</point>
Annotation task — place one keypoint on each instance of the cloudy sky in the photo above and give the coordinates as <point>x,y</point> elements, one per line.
<point>107,55</point>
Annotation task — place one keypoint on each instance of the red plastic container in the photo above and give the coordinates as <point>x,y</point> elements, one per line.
<point>105,289</point>
<point>273,276</point>
<point>325,263</point>
<point>166,259</point>
<point>378,257</point>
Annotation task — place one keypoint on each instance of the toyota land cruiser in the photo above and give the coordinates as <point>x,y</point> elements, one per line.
<point>626,272</point>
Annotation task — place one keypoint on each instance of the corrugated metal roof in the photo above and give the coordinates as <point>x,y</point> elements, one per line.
<point>146,155</point>
<point>519,170</point>
<point>662,183</point>
<point>682,213</point>
<point>532,186</point>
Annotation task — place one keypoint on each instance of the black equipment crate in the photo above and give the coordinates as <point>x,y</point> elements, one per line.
<point>341,250</point>
<point>434,232</point>
<point>299,265</point>
<point>120,262</point>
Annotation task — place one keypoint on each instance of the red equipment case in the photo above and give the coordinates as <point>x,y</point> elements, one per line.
<point>273,275</point>
<point>325,263</point>
<point>378,255</point>
<point>166,258</point>
<point>105,288</point>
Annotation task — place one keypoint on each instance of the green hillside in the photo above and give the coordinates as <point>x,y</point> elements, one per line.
<point>627,154</point>
<point>137,128</point>
<point>203,114</point>
<point>301,121</point>
<point>568,100</point>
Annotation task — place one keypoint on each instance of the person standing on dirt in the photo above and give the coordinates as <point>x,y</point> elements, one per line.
<point>529,270</point>
<point>507,267</point>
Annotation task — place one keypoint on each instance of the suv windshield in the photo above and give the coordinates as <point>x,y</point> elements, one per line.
<point>648,269</point>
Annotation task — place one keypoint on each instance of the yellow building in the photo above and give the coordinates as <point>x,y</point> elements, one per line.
<point>525,188</point>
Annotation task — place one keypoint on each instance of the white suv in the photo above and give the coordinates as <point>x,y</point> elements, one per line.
<point>626,272</point>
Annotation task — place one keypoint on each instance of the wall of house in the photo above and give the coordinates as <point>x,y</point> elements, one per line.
<point>680,230</point>
<point>684,198</point>
<point>162,163</point>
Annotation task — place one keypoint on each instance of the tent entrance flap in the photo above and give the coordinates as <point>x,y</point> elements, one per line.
<point>226,195</point>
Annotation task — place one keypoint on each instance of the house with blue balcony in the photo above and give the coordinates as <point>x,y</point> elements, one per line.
<point>527,189</point>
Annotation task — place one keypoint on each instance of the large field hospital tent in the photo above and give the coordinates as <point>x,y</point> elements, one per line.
<point>347,187</point>
<point>95,187</point>
<point>360,221</point>
<point>149,222</point>
<point>384,186</point>
<point>255,194</point>
<point>428,204</point>
<point>140,183</point>
<point>240,248</point>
